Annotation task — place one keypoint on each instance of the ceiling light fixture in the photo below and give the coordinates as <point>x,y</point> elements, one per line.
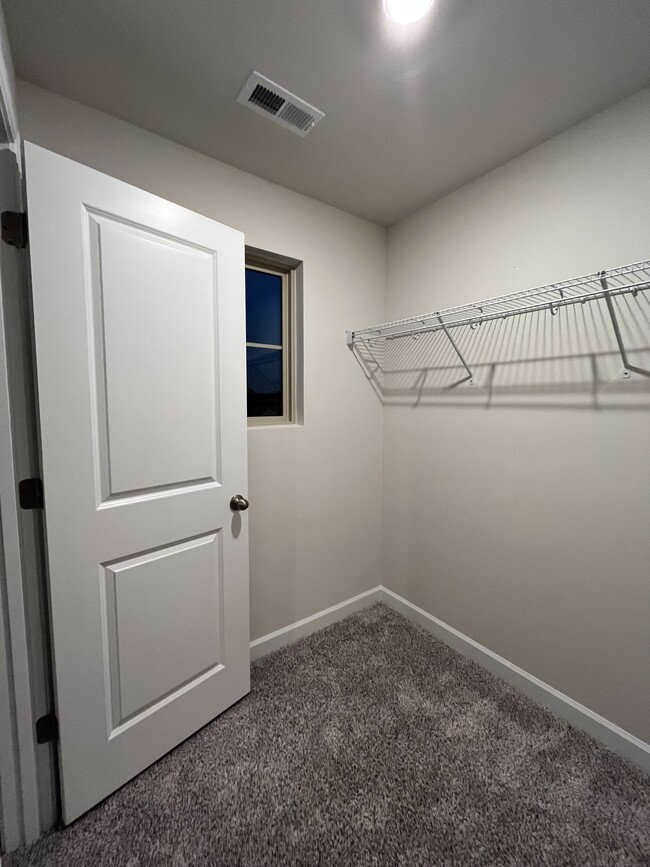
<point>406,11</point>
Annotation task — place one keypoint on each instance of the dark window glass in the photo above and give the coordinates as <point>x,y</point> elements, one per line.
<point>264,372</point>
<point>263,307</point>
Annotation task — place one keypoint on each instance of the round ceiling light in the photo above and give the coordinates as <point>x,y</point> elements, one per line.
<point>406,11</point>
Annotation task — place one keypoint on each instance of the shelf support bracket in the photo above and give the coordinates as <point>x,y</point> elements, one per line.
<point>472,380</point>
<point>628,368</point>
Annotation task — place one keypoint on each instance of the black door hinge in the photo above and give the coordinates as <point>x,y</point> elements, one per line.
<point>14,228</point>
<point>30,494</point>
<point>47,728</point>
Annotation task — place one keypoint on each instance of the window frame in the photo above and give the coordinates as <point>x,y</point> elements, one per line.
<point>270,264</point>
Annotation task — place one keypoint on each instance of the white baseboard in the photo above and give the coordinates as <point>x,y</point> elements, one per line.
<point>288,634</point>
<point>609,734</point>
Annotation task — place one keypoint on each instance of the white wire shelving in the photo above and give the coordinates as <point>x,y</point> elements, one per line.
<point>606,287</point>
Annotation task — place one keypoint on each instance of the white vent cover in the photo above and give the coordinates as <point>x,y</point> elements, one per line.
<point>277,104</point>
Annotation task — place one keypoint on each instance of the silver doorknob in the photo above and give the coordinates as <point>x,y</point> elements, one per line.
<point>239,503</point>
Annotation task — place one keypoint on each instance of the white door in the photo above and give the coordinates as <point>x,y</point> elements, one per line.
<point>140,336</point>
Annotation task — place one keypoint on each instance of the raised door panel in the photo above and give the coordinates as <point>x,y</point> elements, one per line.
<point>154,334</point>
<point>163,625</point>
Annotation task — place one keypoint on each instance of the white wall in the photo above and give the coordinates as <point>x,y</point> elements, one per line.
<point>528,528</point>
<point>310,546</point>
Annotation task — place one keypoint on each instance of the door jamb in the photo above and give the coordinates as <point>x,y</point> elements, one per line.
<point>25,808</point>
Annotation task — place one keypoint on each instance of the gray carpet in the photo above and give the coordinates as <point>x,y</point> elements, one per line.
<point>370,743</point>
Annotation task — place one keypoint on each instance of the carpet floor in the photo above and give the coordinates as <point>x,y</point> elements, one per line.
<point>370,743</point>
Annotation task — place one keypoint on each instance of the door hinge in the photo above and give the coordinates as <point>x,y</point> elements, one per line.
<point>47,728</point>
<point>30,494</point>
<point>14,228</point>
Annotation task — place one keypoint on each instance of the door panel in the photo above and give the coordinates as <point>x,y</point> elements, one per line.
<point>153,307</point>
<point>163,624</point>
<point>139,324</point>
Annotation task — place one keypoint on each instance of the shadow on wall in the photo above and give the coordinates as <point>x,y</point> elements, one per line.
<point>567,357</point>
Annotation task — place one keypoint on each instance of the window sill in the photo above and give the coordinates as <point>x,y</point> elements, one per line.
<point>289,426</point>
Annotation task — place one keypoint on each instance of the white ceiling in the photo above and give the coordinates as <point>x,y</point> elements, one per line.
<point>410,113</point>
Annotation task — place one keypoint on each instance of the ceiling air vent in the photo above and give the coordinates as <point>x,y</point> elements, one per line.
<point>277,104</point>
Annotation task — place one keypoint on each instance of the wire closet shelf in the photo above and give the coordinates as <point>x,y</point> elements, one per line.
<point>606,285</point>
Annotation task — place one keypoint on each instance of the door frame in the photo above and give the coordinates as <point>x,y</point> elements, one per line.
<point>28,786</point>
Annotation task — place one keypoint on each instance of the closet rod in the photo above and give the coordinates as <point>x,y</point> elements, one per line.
<point>632,278</point>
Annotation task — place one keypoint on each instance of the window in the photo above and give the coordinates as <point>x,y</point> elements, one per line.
<point>270,344</point>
